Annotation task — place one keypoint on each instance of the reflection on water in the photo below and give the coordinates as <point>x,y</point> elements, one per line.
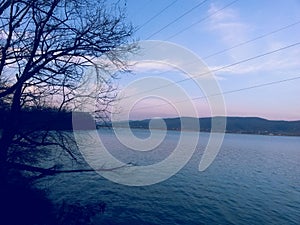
<point>254,180</point>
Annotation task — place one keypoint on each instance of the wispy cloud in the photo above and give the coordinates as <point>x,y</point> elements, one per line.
<point>227,23</point>
<point>286,61</point>
<point>232,30</point>
<point>150,66</point>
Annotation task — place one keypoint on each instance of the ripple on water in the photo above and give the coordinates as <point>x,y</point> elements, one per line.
<point>254,180</point>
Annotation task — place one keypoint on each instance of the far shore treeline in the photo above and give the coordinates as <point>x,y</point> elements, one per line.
<point>46,119</point>
<point>49,119</point>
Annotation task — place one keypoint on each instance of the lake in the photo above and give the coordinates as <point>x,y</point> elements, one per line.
<point>253,180</point>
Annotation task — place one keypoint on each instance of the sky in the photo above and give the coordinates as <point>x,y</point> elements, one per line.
<point>238,31</point>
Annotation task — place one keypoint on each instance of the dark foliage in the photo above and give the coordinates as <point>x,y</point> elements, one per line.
<point>23,204</point>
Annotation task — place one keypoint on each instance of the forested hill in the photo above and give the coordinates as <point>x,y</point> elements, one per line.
<point>243,125</point>
<point>47,120</point>
<point>51,120</point>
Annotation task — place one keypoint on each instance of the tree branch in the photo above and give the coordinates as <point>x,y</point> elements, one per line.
<point>53,171</point>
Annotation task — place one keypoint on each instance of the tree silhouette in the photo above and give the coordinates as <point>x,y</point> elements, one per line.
<point>47,46</point>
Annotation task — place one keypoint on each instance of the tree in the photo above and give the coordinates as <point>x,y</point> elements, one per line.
<point>46,48</point>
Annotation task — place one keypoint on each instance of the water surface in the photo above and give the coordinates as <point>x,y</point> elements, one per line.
<point>253,180</point>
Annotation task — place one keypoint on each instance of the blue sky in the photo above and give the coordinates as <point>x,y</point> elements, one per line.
<point>239,22</point>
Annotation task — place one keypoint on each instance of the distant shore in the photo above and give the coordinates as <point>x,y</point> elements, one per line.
<point>226,132</point>
<point>51,120</point>
<point>235,125</point>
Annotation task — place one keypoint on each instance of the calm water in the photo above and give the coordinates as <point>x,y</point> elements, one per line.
<point>254,180</point>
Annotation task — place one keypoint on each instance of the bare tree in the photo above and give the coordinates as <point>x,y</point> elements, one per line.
<point>47,46</point>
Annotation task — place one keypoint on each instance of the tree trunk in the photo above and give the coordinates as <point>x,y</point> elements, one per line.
<point>10,128</point>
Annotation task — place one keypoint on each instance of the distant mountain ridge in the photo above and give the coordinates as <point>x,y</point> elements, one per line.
<point>241,125</point>
<point>51,120</point>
